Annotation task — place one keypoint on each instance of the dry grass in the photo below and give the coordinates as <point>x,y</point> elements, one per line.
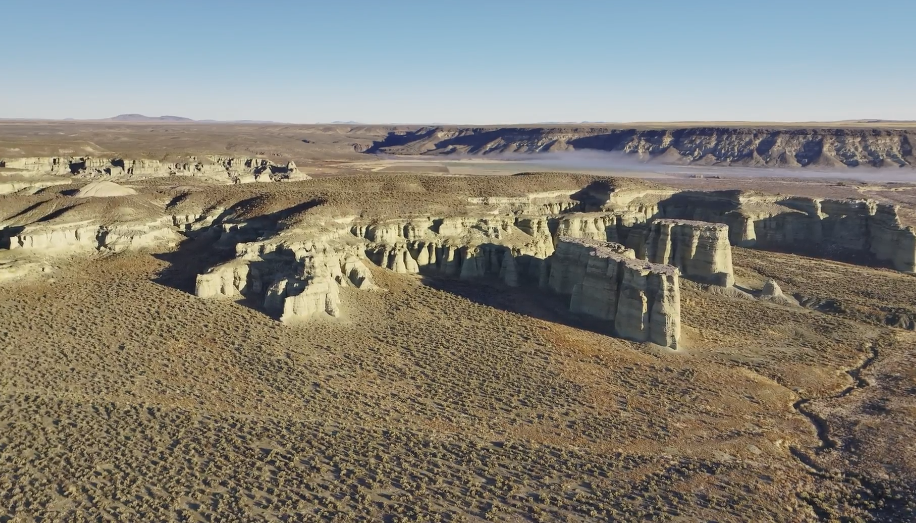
<point>125,398</point>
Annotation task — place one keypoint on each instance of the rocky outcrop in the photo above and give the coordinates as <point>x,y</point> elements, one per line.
<point>305,299</point>
<point>16,183</point>
<point>890,241</point>
<point>506,247</point>
<point>838,229</point>
<point>601,226</point>
<point>605,281</point>
<point>88,236</point>
<point>466,262</point>
<point>294,275</point>
<point>393,257</point>
<point>51,238</point>
<point>228,169</point>
<point>699,249</point>
<point>224,281</point>
<point>770,147</point>
<point>771,292</point>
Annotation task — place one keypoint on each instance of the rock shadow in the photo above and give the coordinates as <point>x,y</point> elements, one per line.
<point>526,301</point>
<point>7,234</point>
<point>194,255</point>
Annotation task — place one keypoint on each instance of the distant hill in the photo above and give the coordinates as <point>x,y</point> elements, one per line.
<point>142,118</point>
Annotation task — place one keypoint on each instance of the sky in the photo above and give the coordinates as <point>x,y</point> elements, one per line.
<point>467,62</point>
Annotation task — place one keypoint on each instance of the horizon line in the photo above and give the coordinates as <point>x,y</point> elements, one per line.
<point>188,121</point>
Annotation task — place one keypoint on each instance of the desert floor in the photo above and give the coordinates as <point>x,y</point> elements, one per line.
<point>124,396</point>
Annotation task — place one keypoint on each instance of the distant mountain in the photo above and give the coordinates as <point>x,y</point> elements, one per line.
<point>142,118</point>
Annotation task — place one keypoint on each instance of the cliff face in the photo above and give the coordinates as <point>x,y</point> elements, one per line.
<point>771,147</point>
<point>293,256</point>
<point>295,277</point>
<point>699,249</point>
<point>221,168</point>
<point>605,281</point>
<point>838,229</point>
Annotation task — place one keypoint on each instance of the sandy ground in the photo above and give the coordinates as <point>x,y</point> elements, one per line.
<point>123,396</point>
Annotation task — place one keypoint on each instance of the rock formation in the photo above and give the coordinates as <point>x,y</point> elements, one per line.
<point>314,296</point>
<point>772,147</point>
<point>393,257</point>
<point>605,281</point>
<point>68,237</point>
<point>836,229</point>
<point>772,293</point>
<point>468,247</point>
<point>771,289</point>
<point>890,241</point>
<point>601,226</point>
<point>294,250</point>
<point>294,275</point>
<point>227,169</point>
<point>699,249</point>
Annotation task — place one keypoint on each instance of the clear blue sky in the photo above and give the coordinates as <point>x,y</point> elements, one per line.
<point>496,61</point>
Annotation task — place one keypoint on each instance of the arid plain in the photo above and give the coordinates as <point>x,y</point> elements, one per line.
<point>214,322</point>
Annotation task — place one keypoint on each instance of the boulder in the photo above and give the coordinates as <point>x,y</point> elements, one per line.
<point>320,295</point>
<point>229,280</point>
<point>772,293</point>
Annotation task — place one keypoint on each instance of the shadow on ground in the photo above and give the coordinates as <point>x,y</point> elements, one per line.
<point>542,305</point>
<point>192,257</point>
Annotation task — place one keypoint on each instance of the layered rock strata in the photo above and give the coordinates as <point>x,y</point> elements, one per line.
<point>88,236</point>
<point>819,227</point>
<point>225,168</point>
<point>699,249</point>
<point>505,247</point>
<point>601,226</point>
<point>293,277</point>
<point>765,147</point>
<point>605,280</point>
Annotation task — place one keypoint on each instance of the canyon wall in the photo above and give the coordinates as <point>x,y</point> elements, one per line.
<point>223,168</point>
<point>701,250</point>
<point>599,246</point>
<point>749,146</point>
<point>853,230</point>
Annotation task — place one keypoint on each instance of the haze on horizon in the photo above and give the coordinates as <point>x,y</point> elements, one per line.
<point>485,63</point>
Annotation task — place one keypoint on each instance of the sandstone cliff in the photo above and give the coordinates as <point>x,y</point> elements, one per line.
<point>227,169</point>
<point>468,247</point>
<point>87,236</point>
<point>294,249</point>
<point>838,229</point>
<point>604,280</point>
<point>776,147</point>
<point>295,275</point>
<point>699,249</point>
